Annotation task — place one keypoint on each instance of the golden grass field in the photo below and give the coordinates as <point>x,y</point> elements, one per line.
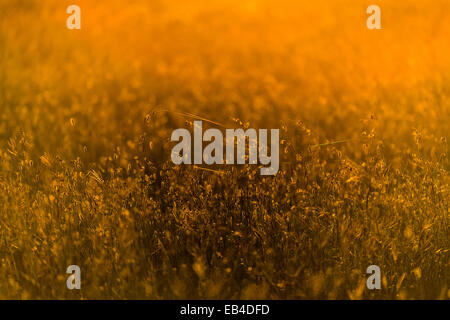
<point>85,170</point>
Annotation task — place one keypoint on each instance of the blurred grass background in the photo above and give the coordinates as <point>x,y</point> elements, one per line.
<point>85,171</point>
